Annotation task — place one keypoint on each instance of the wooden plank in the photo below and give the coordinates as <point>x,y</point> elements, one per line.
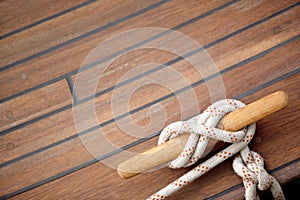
<point>30,11</point>
<point>72,153</point>
<point>152,92</point>
<point>45,132</point>
<point>34,104</point>
<point>58,65</point>
<point>94,181</point>
<point>278,29</point>
<point>76,53</point>
<point>224,54</point>
<point>66,27</point>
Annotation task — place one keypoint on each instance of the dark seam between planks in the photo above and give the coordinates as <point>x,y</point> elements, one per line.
<point>35,120</point>
<point>88,66</point>
<point>157,68</point>
<point>253,58</point>
<point>85,35</point>
<point>241,185</point>
<point>59,78</point>
<point>81,5</point>
<point>91,162</point>
<point>72,90</point>
<point>120,52</point>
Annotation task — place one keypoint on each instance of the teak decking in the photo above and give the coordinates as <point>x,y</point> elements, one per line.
<point>255,44</point>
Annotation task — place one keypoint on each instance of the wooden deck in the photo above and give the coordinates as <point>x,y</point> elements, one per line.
<point>255,45</point>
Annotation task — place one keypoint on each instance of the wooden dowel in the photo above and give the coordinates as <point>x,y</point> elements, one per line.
<point>233,121</point>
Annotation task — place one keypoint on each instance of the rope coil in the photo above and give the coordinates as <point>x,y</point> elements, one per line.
<point>202,127</point>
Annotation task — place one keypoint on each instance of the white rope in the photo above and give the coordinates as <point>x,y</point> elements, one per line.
<point>202,127</point>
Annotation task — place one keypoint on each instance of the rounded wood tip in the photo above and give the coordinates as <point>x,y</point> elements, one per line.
<point>153,157</point>
<point>254,111</point>
<point>123,173</point>
<point>284,96</point>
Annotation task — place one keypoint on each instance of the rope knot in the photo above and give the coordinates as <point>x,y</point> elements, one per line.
<point>250,166</point>
<point>202,127</point>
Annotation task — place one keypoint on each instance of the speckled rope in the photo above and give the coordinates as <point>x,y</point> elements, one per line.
<point>202,127</point>
<point>250,166</point>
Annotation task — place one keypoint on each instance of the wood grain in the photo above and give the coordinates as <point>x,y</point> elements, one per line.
<point>34,104</point>
<point>30,12</point>
<point>44,132</point>
<point>91,185</point>
<point>54,32</point>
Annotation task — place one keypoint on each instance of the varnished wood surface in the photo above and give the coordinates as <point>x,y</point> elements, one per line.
<point>255,45</point>
<point>32,13</point>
